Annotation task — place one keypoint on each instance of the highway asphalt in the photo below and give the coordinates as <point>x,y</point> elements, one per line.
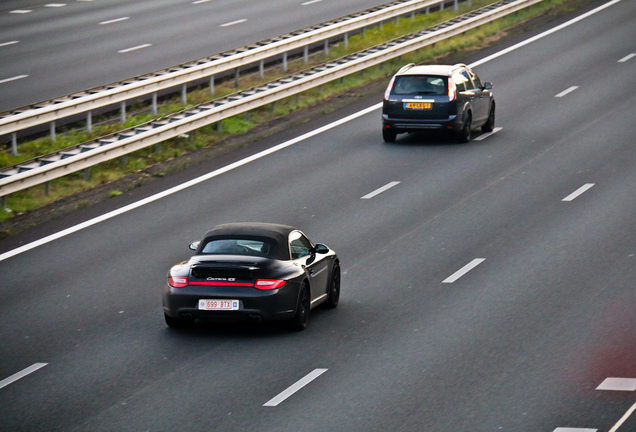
<point>58,48</point>
<point>486,286</point>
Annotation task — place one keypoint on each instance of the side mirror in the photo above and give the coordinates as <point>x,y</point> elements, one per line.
<point>488,86</point>
<point>194,245</point>
<point>321,248</point>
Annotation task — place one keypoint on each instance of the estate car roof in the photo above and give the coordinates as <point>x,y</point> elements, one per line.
<point>445,70</point>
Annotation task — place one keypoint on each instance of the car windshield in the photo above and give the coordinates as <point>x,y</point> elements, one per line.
<point>230,246</point>
<point>419,84</point>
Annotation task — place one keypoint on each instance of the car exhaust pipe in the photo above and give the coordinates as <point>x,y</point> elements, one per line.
<point>254,318</point>
<point>186,316</point>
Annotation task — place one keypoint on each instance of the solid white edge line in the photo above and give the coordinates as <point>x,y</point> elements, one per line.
<point>462,271</point>
<point>566,91</point>
<point>280,146</point>
<point>295,387</point>
<point>578,192</point>
<point>627,58</point>
<point>8,43</point>
<point>623,419</point>
<point>185,185</point>
<point>544,34</point>
<point>24,372</point>
<point>380,190</point>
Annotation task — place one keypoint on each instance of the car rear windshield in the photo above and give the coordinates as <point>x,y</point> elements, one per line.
<point>230,246</point>
<point>420,84</point>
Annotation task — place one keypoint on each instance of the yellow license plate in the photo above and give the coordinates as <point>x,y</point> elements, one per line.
<point>419,105</point>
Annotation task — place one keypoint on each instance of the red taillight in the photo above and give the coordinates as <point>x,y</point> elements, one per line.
<point>268,284</point>
<point>178,281</point>
<point>452,90</point>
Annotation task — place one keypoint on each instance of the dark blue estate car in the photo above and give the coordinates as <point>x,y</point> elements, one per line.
<point>440,97</point>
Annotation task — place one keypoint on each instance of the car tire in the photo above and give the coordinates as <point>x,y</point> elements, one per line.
<point>300,321</point>
<point>489,126</point>
<point>467,128</point>
<point>334,288</point>
<point>388,136</point>
<point>177,322</point>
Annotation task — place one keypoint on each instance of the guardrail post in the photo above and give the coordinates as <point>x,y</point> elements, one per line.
<point>14,144</point>
<point>212,85</point>
<point>52,129</point>
<point>456,6</point>
<point>184,94</point>
<point>47,188</point>
<point>122,115</point>
<point>346,40</point>
<point>154,104</point>
<point>306,54</point>
<point>3,202</point>
<point>261,69</point>
<point>326,47</point>
<point>285,62</point>
<point>236,78</point>
<point>89,121</point>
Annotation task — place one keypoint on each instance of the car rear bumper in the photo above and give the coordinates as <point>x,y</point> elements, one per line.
<point>399,125</point>
<point>254,304</point>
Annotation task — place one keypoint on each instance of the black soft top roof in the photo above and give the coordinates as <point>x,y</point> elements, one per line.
<point>276,234</point>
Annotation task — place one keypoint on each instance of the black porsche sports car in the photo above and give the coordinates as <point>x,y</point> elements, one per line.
<point>252,272</point>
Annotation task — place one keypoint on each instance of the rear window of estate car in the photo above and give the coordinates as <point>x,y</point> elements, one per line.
<point>237,247</point>
<point>420,84</point>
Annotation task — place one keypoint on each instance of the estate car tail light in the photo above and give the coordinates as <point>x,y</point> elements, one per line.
<point>452,89</point>
<point>178,281</point>
<point>269,284</point>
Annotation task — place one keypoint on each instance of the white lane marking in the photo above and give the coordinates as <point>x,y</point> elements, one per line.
<point>233,23</point>
<point>566,91</point>
<point>274,149</point>
<point>17,77</point>
<point>310,2</point>
<point>185,185</point>
<point>627,58</point>
<point>295,387</point>
<point>135,48</point>
<point>380,190</point>
<point>8,43</point>
<point>578,192</point>
<point>625,417</point>
<point>21,11</point>
<point>114,20</point>
<point>201,1</point>
<point>544,34</point>
<point>618,384</point>
<point>462,271</point>
<point>55,5</point>
<point>566,429</point>
<point>24,372</point>
<point>487,134</point>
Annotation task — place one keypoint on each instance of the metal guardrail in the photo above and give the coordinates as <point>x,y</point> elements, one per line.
<point>85,155</point>
<point>88,100</point>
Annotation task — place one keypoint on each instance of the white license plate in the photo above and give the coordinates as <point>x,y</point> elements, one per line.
<point>214,304</point>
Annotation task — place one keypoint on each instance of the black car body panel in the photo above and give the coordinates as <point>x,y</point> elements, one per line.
<point>260,268</point>
<point>441,98</point>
